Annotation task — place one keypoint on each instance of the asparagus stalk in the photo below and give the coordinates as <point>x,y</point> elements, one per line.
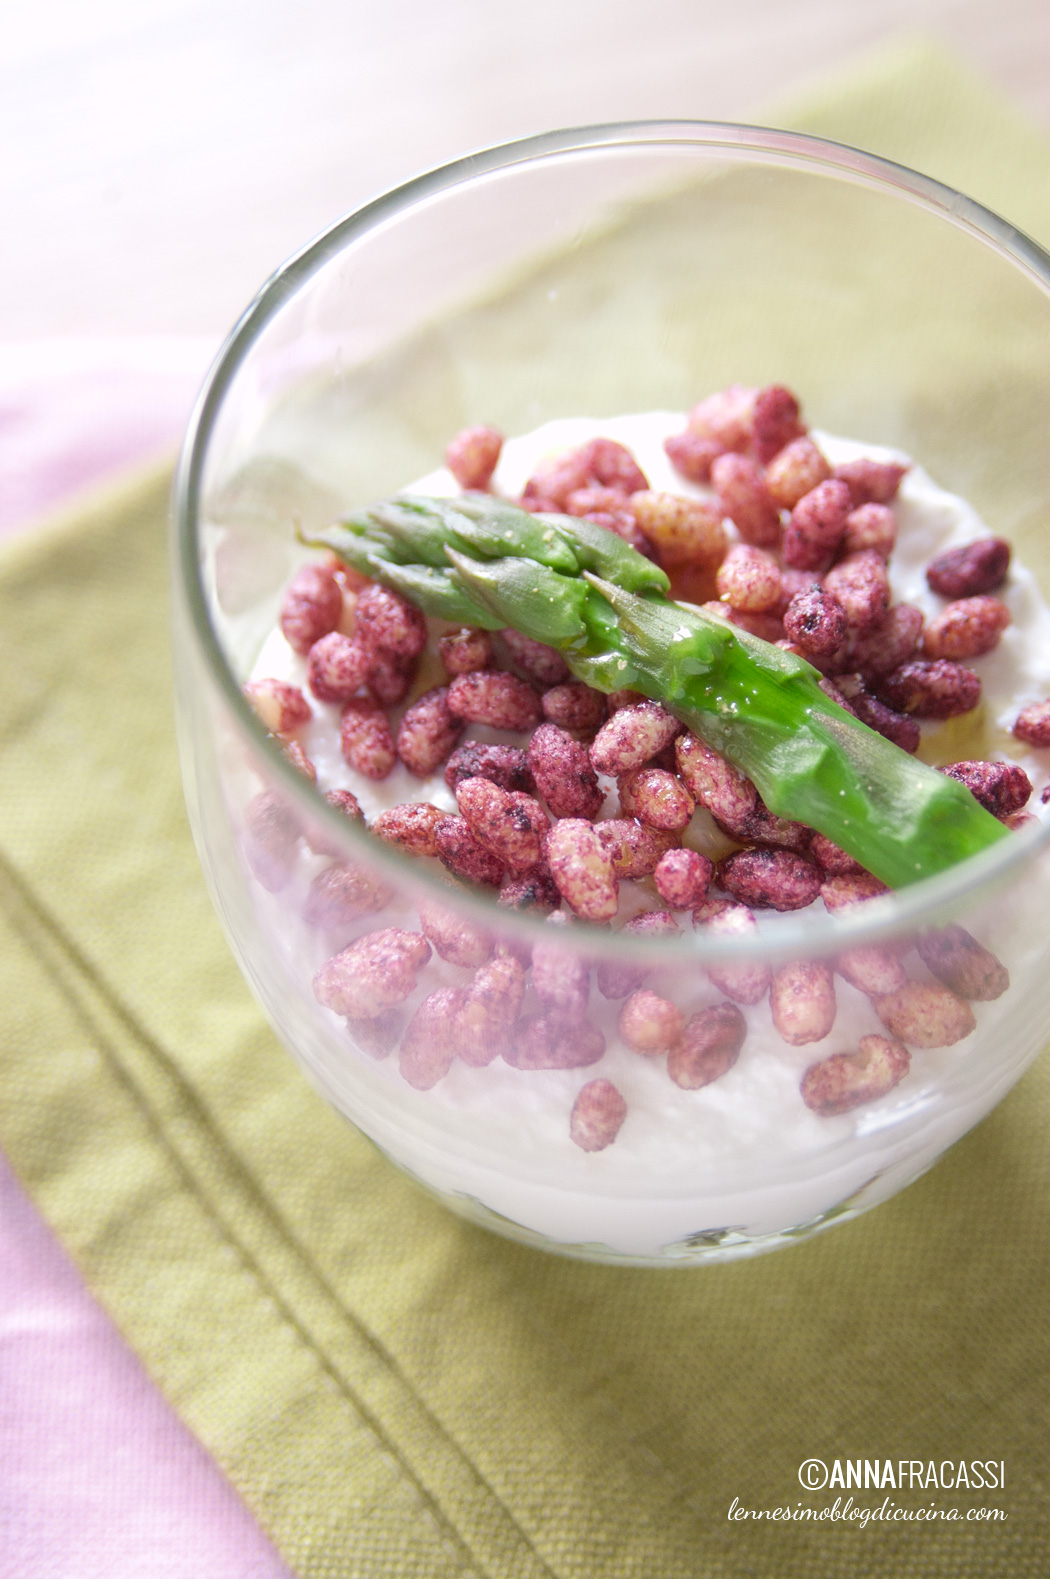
<point>478,561</point>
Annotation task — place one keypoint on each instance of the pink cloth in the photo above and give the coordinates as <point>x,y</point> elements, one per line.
<point>75,412</point>
<point>99,1479</point>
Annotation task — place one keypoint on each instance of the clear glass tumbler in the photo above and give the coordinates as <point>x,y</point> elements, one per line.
<point>592,273</point>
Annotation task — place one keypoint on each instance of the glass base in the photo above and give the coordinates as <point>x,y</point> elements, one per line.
<point>703,1248</point>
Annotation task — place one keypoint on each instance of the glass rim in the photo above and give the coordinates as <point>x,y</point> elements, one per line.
<point>900,910</point>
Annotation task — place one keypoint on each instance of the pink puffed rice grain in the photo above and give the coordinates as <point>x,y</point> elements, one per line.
<point>796,471</point>
<point>336,667</point>
<point>1001,787</point>
<point>490,696</point>
<point>547,1041</point>
<point>279,707</point>
<point>692,455</point>
<point>649,1024</point>
<point>271,839</point>
<point>597,1115</point>
<point>634,850</point>
<point>966,628</point>
<point>746,982</point>
<point>574,706</point>
<point>610,508</point>
<point>341,894</point>
<point>847,1080</point>
<point>429,1043</point>
<point>560,979</point>
<point>816,527</point>
<point>533,891</point>
<point>937,689</point>
<point>770,879</point>
<point>600,463</point>
<point>745,499</point>
<point>969,571</point>
<point>377,1037</point>
<point>749,580</point>
<point>631,737</point>
<point>454,938</point>
<point>816,621</point>
<point>925,1014</point>
<point>870,482</point>
<point>347,802</point>
<point>617,978</point>
<point>842,892</point>
<point>775,422</point>
<point>792,582</point>
<point>872,969</point>
<point>1032,724</point>
<point>473,455</point>
<point>620,699</point>
<point>550,487</point>
<point>761,827</point>
<point>428,733</point>
<point>802,1000</point>
<point>372,974</point>
<point>726,416</point>
<point>462,853</point>
<point>861,584</point>
<point>389,679</point>
<point>542,664</point>
<point>898,727</point>
<point>563,774</point>
<point>311,607</point>
<point>870,526</point>
<point>410,826</point>
<point>682,878</point>
<point>657,798</point>
<point>582,870</point>
<point>490,1008</point>
<point>465,650</point>
<point>507,766</point>
<point>293,752</point>
<point>318,839</point>
<point>683,531</point>
<point>613,466</point>
<point>388,623</point>
<point>715,784</point>
<point>886,644</point>
<point>831,858</point>
<point>708,1048</point>
<point>961,963</point>
<point>588,502</point>
<point>513,826</point>
<point>365,739</point>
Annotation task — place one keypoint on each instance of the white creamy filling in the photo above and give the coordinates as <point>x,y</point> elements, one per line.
<point>679,1151</point>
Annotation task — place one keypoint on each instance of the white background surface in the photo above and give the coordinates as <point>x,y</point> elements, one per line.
<point>160,157</point>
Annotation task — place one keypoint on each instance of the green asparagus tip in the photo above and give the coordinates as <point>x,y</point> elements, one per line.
<point>573,585</point>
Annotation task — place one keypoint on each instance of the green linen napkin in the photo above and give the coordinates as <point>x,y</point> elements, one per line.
<point>394,1392</point>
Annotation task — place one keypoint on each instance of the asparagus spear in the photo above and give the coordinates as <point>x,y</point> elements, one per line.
<point>581,589</point>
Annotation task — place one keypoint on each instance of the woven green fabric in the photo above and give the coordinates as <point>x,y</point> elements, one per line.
<point>395,1392</point>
